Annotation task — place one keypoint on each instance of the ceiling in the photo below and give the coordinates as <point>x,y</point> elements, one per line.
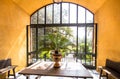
<point>32,5</point>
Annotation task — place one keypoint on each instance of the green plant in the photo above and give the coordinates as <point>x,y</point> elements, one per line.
<point>55,39</point>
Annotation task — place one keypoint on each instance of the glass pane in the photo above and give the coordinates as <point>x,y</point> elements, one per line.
<point>89,46</point>
<point>81,14</point>
<point>73,9</point>
<point>88,59</point>
<point>31,58</point>
<point>73,30</point>
<point>65,12</point>
<point>56,13</point>
<point>49,14</point>
<point>89,17</point>
<point>73,39</point>
<point>81,44</point>
<point>70,33</point>
<point>41,16</point>
<point>33,39</point>
<point>34,18</point>
<point>40,38</point>
<point>89,39</point>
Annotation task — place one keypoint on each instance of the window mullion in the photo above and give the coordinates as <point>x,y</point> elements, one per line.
<point>69,14</point>
<point>77,32</point>
<point>60,13</point>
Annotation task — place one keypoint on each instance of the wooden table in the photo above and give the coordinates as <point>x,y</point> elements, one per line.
<point>75,70</point>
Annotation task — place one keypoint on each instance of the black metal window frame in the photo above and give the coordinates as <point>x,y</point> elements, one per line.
<point>37,25</point>
<point>69,4</point>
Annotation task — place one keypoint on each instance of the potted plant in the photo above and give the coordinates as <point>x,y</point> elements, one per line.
<point>57,39</point>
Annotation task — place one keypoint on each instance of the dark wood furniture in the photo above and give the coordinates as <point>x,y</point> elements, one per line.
<point>111,68</point>
<point>6,67</point>
<point>75,70</point>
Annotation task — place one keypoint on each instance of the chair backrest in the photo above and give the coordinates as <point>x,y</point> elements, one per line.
<point>2,62</point>
<point>113,65</point>
<point>5,63</point>
<point>8,62</point>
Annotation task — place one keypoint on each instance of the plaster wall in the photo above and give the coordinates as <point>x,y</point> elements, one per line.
<point>32,5</point>
<point>108,19</point>
<point>13,21</point>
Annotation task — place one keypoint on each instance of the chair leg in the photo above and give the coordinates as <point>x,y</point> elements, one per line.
<point>14,73</point>
<point>8,73</point>
<point>106,75</point>
<point>101,71</point>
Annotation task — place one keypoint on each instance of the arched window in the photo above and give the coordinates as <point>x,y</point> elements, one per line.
<point>66,18</point>
<point>64,13</point>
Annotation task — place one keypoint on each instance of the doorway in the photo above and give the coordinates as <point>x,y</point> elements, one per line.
<point>78,40</point>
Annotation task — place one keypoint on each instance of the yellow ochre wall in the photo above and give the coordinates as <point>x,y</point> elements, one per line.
<point>13,21</point>
<point>108,19</point>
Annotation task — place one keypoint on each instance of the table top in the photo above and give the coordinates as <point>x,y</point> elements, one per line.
<point>67,69</point>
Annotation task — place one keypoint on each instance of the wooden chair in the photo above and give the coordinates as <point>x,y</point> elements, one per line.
<point>6,67</point>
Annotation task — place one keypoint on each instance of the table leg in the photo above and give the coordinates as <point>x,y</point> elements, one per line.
<point>75,78</point>
<point>27,76</point>
<point>83,78</point>
<point>38,77</point>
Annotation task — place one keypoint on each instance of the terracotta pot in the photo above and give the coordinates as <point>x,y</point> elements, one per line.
<point>57,59</point>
